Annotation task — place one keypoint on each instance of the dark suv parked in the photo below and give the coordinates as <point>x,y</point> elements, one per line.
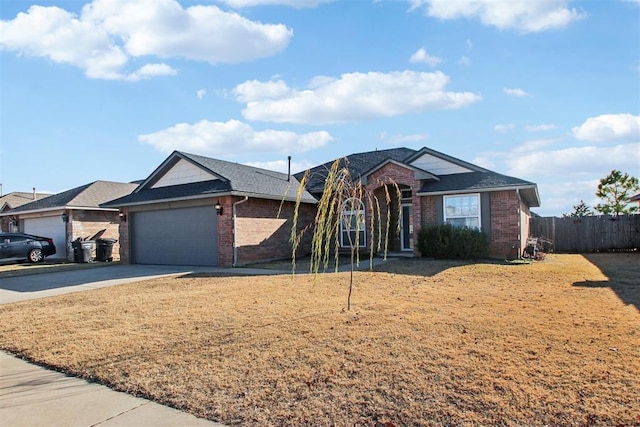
<point>21,246</point>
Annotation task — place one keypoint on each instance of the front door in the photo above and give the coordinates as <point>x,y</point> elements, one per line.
<point>406,236</point>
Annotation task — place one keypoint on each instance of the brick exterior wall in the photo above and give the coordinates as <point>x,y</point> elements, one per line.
<point>262,235</point>
<point>429,208</point>
<point>225,230</point>
<point>85,224</point>
<point>404,177</point>
<point>505,224</point>
<point>124,246</point>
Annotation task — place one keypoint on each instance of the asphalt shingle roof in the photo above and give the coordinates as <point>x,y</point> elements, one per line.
<point>19,198</point>
<point>358,165</point>
<point>172,192</point>
<point>233,178</point>
<point>249,179</point>
<point>480,181</point>
<point>88,196</point>
<point>472,181</point>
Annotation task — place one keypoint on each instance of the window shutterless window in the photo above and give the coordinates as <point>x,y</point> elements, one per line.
<point>462,211</point>
<point>352,223</point>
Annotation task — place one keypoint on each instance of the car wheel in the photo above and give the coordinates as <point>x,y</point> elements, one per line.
<point>35,255</point>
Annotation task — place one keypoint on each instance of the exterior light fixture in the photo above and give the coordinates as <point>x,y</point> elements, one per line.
<point>218,208</point>
<point>65,217</point>
<point>122,216</point>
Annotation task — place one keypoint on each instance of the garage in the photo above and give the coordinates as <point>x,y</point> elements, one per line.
<point>52,227</point>
<point>184,236</point>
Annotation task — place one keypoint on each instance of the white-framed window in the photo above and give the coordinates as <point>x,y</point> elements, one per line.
<point>462,210</point>
<point>352,223</point>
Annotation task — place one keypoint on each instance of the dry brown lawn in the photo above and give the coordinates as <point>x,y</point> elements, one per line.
<point>555,342</point>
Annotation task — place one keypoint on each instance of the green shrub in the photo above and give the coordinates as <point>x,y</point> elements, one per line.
<point>447,242</point>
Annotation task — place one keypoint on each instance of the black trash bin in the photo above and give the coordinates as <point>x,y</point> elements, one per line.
<point>82,250</point>
<point>104,249</point>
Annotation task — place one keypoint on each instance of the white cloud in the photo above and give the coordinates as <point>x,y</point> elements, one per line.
<point>515,92</point>
<point>539,128</point>
<point>469,44</point>
<point>237,4</point>
<point>108,33</point>
<point>504,128</point>
<point>564,175</point>
<point>150,70</point>
<point>464,60</point>
<point>608,127</point>
<point>422,57</point>
<point>520,15</point>
<point>399,139</point>
<point>351,98</point>
<point>232,137</point>
<point>574,160</point>
<point>253,90</point>
<point>200,93</point>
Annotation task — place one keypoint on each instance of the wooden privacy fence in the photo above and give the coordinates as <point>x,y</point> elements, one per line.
<point>589,233</point>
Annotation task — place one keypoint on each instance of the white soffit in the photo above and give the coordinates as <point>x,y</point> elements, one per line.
<point>183,172</point>
<point>438,166</point>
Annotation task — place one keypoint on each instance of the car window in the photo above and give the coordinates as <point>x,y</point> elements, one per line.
<point>15,239</point>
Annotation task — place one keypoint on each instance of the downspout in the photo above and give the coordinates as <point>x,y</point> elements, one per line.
<point>235,247</point>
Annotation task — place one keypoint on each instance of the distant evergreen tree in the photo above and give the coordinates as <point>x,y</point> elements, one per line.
<point>615,190</point>
<point>579,210</point>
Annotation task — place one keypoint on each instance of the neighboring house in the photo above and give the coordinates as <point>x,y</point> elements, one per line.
<point>436,189</point>
<point>13,200</point>
<point>73,214</point>
<point>636,199</point>
<point>194,210</point>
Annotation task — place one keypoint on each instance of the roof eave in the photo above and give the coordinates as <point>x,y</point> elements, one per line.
<point>534,203</point>
<point>215,195</point>
<point>418,173</point>
<point>57,208</point>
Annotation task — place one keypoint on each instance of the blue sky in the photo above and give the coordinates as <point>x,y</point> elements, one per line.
<point>545,90</point>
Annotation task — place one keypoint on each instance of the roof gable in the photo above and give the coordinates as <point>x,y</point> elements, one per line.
<point>90,195</point>
<point>183,172</point>
<point>418,174</point>
<point>188,176</point>
<point>441,164</point>
<point>18,198</point>
<point>359,165</point>
<point>177,169</point>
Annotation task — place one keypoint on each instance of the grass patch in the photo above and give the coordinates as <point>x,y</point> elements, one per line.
<point>425,343</point>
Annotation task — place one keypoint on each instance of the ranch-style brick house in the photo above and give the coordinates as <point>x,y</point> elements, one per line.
<point>72,214</point>
<point>195,210</point>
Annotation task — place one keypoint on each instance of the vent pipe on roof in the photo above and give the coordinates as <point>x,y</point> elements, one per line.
<point>34,193</point>
<point>289,170</point>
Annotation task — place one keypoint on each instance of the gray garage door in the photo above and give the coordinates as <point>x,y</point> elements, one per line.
<point>186,236</point>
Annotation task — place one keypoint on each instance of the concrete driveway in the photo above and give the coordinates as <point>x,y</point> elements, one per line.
<point>25,287</point>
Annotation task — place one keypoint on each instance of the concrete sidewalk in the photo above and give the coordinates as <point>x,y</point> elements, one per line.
<point>33,396</point>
